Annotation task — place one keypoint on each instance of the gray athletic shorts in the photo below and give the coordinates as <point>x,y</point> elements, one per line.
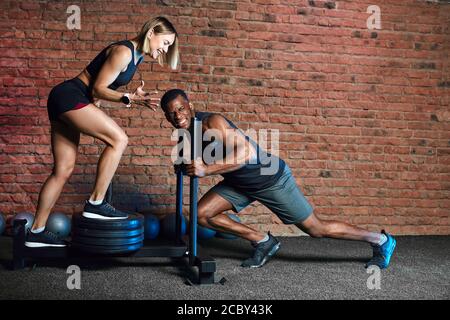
<point>283,198</point>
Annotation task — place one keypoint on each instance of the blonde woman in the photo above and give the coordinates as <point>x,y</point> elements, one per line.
<point>72,111</point>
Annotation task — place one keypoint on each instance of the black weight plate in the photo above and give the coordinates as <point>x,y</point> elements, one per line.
<point>84,232</point>
<point>133,221</point>
<point>107,249</point>
<point>108,241</point>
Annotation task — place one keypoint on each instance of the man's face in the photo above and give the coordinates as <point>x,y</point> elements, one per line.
<point>178,112</point>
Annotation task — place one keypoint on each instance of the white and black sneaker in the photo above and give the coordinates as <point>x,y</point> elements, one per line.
<point>43,239</point>
<point>103,211</point>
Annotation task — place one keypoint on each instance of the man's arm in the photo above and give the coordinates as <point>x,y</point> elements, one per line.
<point>231,139</point>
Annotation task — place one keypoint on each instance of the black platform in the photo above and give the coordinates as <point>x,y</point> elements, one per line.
<point>176,248</point>
<point>151,248</point>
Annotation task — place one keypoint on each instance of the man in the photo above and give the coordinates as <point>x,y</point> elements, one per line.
<point>250,177</point>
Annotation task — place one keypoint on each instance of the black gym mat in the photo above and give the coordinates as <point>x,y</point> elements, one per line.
<point>304,268</point>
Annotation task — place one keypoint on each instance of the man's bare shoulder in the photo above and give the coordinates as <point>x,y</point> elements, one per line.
<point>215,121</point>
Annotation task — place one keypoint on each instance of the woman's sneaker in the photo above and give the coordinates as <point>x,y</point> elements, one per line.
<point>263,252</point>
<point>103,211</point>
<point>43,239</point>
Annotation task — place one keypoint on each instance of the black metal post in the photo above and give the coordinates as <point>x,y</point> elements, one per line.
<point>18,244</point>
<point>179,206</point>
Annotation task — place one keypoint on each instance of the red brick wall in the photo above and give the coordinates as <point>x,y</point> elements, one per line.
<point>363,114</point>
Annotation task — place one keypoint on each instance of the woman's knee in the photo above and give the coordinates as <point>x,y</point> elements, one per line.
<point>120,141</point>
<point>63,172</point>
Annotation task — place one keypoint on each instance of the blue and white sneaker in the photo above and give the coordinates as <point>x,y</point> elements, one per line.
<point>382,254</point>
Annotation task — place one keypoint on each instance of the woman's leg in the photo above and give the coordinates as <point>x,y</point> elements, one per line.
<point>64,140</point>
<point>91,121</point>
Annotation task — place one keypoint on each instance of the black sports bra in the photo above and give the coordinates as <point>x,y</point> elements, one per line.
<point>125,77</point>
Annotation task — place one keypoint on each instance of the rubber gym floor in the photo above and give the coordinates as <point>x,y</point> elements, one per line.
<point>304,268</point>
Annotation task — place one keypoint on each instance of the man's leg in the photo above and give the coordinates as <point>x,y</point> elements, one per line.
<point>383,244</point>
<point>211,215</point>
<point>211,208</point>
<point>318,228</point>
<point>287,201</point>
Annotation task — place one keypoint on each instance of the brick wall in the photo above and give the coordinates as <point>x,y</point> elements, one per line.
<point>363,114</point>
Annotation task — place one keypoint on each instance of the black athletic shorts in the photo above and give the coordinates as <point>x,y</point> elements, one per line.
<point>72,94</point>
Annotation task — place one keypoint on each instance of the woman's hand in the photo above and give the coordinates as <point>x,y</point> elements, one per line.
<point>97,102</point>
<point>142,98</point>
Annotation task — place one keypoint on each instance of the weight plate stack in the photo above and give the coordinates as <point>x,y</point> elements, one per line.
<point>108,236</point>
